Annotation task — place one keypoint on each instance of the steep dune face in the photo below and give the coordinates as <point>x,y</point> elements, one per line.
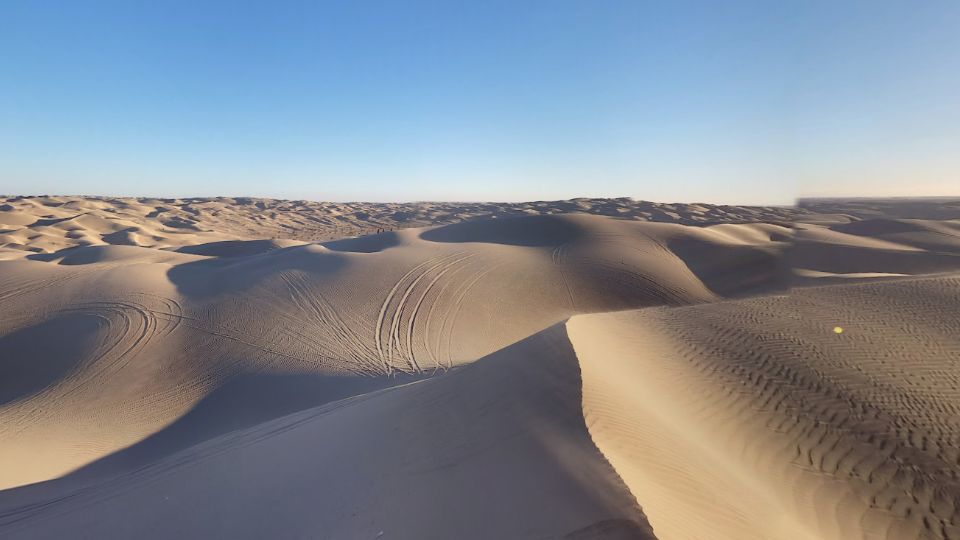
<point>172,328</point>
<point>498,449</point>
<point>755,419</point>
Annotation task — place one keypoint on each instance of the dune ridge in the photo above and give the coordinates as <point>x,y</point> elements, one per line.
<point>754,419</point>
<point>405,483</point>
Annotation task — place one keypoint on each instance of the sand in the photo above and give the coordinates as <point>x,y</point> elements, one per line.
<point>46,224</point>
<point>754,419</point>
<point>594,368</point>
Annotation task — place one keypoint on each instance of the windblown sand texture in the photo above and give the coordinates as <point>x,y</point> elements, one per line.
<point>594,368</point>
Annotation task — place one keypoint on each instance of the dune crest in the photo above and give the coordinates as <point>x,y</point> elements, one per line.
<point>410,462</point>
<point>753,419</point>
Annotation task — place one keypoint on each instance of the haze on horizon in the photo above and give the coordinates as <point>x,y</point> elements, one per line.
<point>744,103</point>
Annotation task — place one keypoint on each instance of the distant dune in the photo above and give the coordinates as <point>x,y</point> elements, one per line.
<point>46,224</point>
<point>884,207</point>
<point>593,368</point>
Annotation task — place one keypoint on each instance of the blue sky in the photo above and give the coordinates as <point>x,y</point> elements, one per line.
<point>735,102</point>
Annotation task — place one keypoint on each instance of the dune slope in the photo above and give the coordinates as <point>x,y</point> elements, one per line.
<point>110,344</point>
<point>497,449</point>
<point>755,419</point>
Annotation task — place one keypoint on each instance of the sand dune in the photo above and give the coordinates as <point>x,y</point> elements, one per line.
<point>860,208</point>
<point>47,224</point>
<point>873,247</point>
<point>754,419</point>
<point>170,327</point>
<point>498,449</point>
<point>594,368</point>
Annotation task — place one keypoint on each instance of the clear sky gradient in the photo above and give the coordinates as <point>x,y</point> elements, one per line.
<point>732,102</point>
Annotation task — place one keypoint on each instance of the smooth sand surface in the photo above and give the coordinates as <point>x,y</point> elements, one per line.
<point>594,368</point>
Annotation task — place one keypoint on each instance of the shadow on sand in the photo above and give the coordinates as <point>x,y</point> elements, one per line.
<point>242,402</point>
<point>211,277</point>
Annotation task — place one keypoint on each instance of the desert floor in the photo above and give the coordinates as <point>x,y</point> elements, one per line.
<point>583,369</point>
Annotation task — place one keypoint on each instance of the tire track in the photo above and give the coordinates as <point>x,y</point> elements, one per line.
<point>125,335</point>
<point>319,310</point>
<point>395,336</point>
<point>457,304</point>
<point>381,318</point>
<point>433,352</point>
<point>558,257</point>
<point>416,309</point>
